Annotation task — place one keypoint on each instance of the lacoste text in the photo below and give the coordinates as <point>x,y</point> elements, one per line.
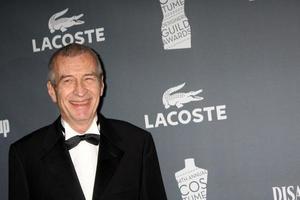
<point>59,41</point>
<point>197,115</point>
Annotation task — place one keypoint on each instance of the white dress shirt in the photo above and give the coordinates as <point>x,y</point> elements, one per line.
<point>84,157</point>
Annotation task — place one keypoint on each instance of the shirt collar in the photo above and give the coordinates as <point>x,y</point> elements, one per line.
<point>70,132</point>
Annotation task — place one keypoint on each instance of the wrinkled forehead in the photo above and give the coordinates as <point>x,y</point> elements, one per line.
<point>78,63</point>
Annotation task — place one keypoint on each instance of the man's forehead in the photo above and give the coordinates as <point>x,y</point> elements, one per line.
<point>84,57</point>
<point>79,62</point>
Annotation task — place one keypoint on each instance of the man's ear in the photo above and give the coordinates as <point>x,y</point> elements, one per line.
<point>101,86</point>
<point>51,92</point>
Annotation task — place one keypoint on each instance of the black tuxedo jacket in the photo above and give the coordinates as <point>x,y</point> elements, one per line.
<point>40,167</point>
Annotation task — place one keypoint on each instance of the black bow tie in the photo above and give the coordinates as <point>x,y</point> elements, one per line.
<point>74,141</point>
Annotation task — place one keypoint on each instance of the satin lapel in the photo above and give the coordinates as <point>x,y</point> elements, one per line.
<point>58,162</point>
<point>109,158</point>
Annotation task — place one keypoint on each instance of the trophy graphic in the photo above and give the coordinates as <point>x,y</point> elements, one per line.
<point>175,28</point>
<point>192,181</point>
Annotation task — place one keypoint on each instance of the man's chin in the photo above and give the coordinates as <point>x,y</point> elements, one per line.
<point>82,118</point>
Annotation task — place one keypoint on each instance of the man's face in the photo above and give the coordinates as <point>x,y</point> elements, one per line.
<point>78,88</point>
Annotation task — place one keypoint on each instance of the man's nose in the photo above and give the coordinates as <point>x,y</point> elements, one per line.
<point>80,89</point>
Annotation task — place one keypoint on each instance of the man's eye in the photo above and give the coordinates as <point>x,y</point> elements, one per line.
<point>67,80</point>
<point>90,78</point>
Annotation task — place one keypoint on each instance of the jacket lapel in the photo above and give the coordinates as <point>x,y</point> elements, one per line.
<point>58,162</point>
<point>109,157</point>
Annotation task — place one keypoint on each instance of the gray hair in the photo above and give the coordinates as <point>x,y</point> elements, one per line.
<point>71,50</point>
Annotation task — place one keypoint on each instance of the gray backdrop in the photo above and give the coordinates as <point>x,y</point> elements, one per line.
<point>244,56</point>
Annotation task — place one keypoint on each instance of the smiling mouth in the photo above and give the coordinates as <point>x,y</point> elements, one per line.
<point>80,103</point>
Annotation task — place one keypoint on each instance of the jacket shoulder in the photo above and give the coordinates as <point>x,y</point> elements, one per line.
<point>130,135</point>
<point>33,140</point>
<point>123,127</point>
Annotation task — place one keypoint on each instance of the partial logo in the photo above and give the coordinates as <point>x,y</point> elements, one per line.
<point>172,97</point>
<point>175,28</point>
<point>192,181</point>
<point>61,23</point>
<point>175,98</point>
<point>4,127</point>
<point>57,22</point>
<point>286,192</point>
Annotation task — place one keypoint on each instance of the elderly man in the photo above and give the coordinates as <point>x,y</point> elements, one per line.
<point>83,155</point>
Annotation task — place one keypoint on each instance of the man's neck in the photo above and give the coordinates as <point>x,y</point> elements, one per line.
<point>80,126</point>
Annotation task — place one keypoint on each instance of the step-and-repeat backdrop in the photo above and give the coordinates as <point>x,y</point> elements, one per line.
<point>216,82</point>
